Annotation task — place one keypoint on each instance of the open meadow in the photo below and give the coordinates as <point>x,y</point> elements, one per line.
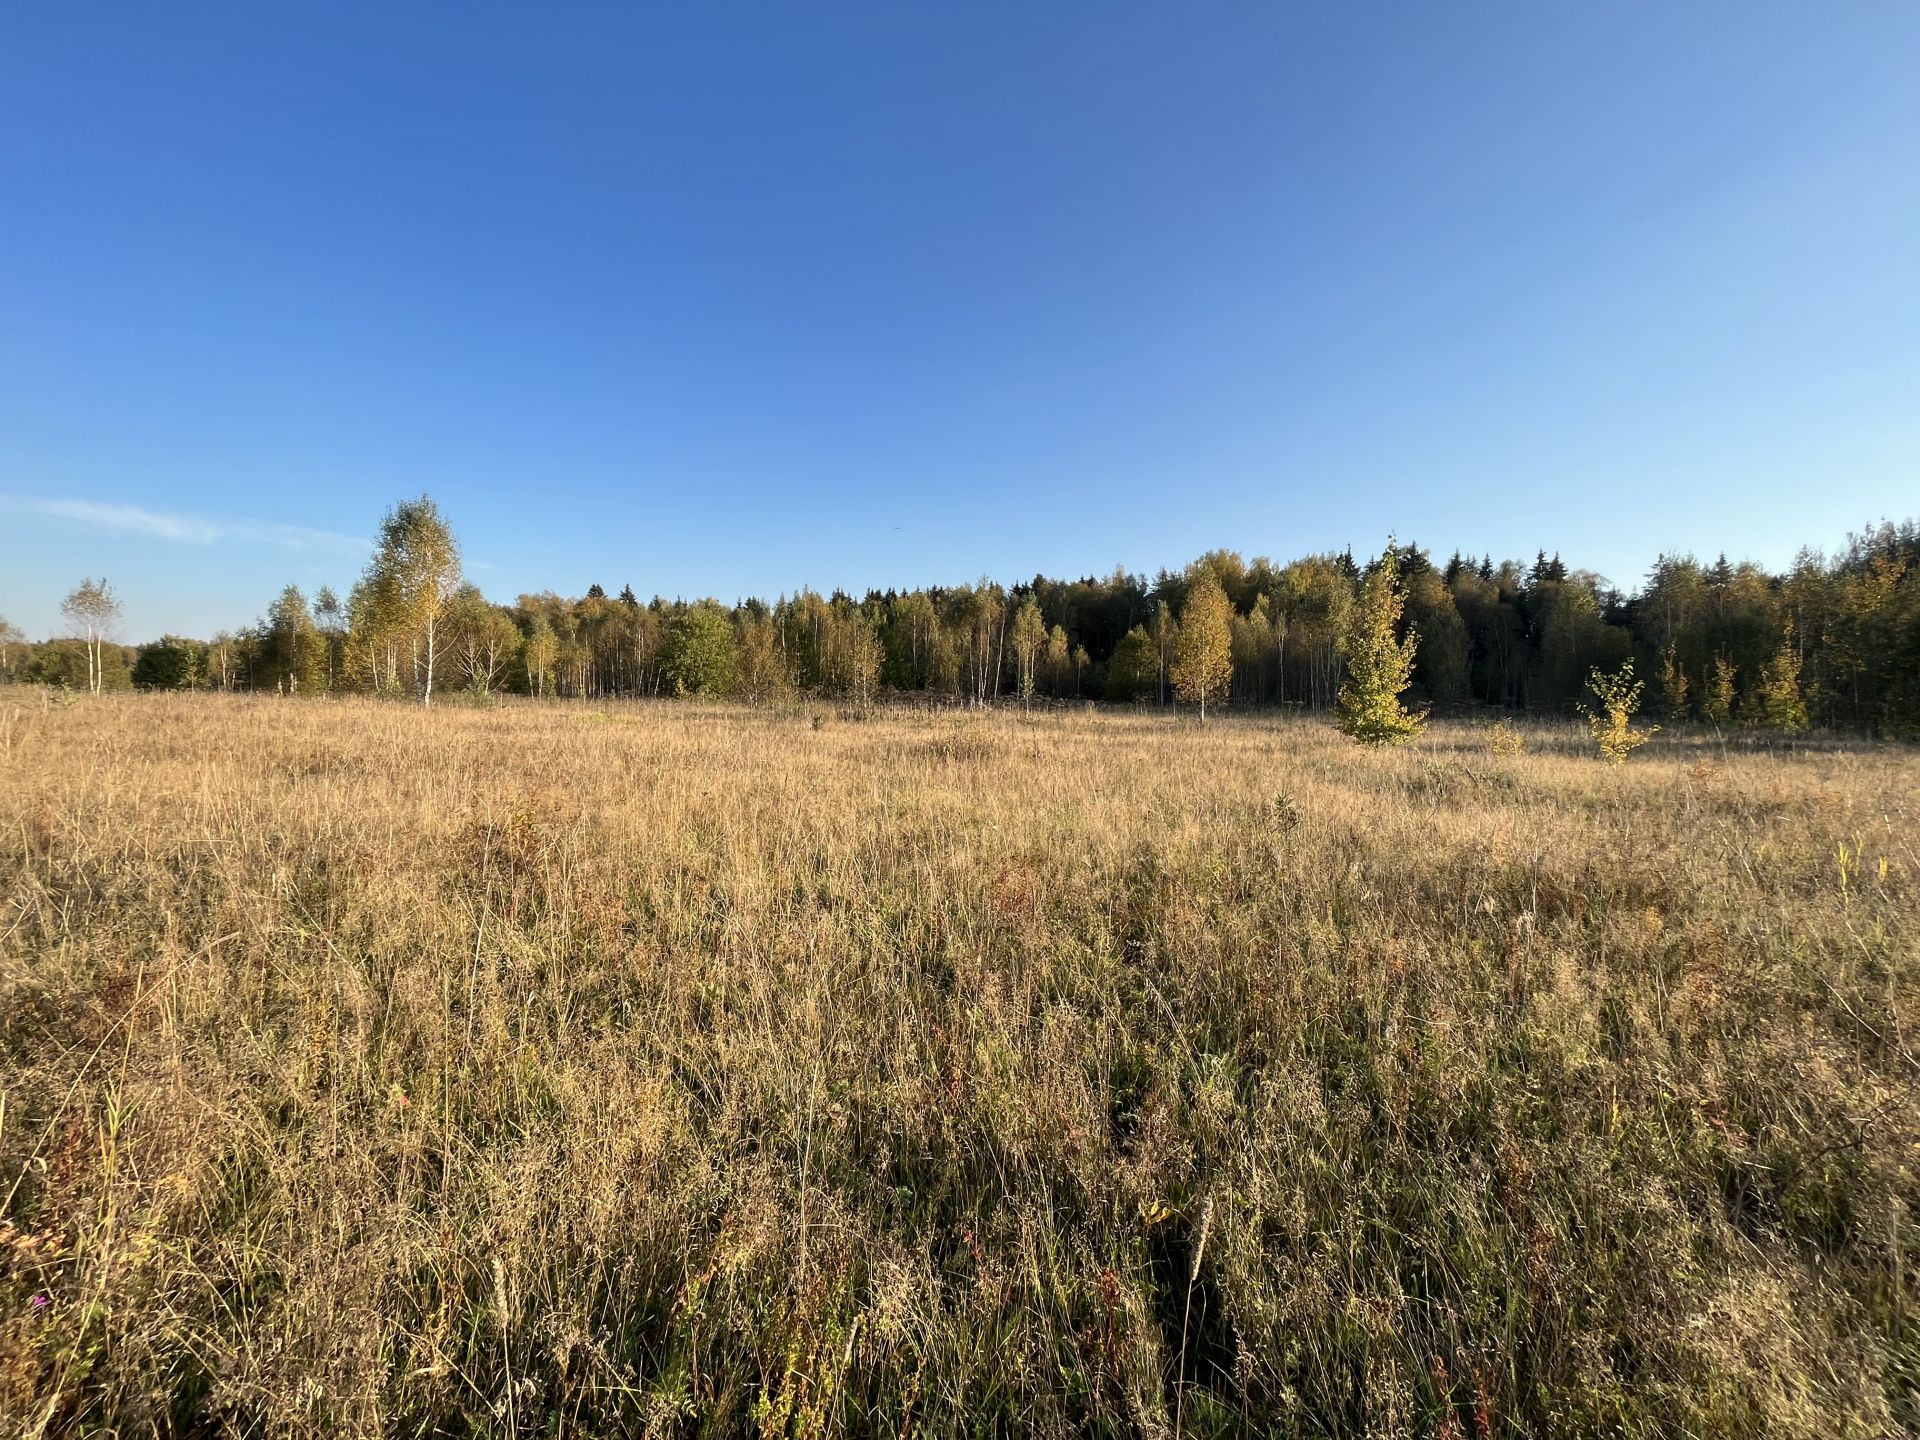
<point>651,1068</point>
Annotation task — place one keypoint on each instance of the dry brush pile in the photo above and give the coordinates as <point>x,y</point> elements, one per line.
<point>656,1070</point>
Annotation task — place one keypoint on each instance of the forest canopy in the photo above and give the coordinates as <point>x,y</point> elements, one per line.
<point>1833,642</point>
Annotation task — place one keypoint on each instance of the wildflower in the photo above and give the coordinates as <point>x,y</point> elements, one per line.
<point>41,1303</point>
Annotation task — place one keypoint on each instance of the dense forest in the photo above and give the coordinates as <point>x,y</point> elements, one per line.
<point>1837,636</point>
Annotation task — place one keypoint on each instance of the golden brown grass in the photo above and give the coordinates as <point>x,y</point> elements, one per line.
<point>654,1069</point>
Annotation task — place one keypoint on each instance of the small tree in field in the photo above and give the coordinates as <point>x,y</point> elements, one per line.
<point>93,610</point>
<point>415,573</point>
<point>1203,649</point>
<point>1619,696</point>
<point>1134,670</point>
<point>170,663</point>
<point>1029,634</point>
<point>1379,666</point>
<point>1780,704</point>
<point>698,654</point>
<point>1503,740</point>
<point>1717,704</point>
<point>10,636</point>
<point>1673,685</point>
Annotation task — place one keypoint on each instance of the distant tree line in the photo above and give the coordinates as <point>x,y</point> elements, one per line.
<point>1834,642</point>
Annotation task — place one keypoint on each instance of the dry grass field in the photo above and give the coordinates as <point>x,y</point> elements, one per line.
<point>652,1069</point>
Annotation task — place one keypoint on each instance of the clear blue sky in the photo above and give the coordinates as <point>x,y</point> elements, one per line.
<point>726,299</point>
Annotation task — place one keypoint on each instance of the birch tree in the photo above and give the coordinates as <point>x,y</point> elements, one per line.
<point>1379,665</point>
<point>484,639</point>
<point>416,571</point>
<point>1203,650</point>
<point>328,615</point>
<point>10,636</point>
<point>92,609</point>
<point>1029,634</point>
<point>1165,632</point>
<point>542,648</point>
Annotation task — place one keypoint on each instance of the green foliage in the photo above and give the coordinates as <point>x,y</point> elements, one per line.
<point>1777,703</point>
<point>1057,668</point>
<point>1029,635</point>
<point>1441,666</point>
<point>1717,704</point>
<point>1504,740</point>
<point>699,653</point>
<point>483,638</point>
<point>76,665</point>
<point>171,664</point>
<point>1203,650</point>
<point>1505,635</point>
<point>1619,697</point>
<point>541,649</point>
<point>1379,666</point>
<point>12,646</point>
<point>91,607</point>
<point>1673,685</point>
<point>293,653</point>
<point>1566,614</point>
<point>761,675</point>
<point>849,650</point>
<point>1134,671</point>
<point>92,610</point>
<point>1165,631</point>
<point>409,586</point>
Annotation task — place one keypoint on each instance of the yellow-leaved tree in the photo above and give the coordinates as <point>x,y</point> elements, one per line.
<point>1779,704</point>
<point>1673,685</point>
<point>1203,648</point>
<point>1717,704</point>
<point>1029,635</point>
<point>1619,696</point>
<point>1379,665</point>
<point>411,581</point>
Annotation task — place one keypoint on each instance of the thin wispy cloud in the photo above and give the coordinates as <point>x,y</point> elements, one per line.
<point>185,529</point>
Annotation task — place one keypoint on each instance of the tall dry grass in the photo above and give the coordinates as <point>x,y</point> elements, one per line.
<point>660,1070</point>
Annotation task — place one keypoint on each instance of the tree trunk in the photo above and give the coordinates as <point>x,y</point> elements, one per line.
<point>426,688</point>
